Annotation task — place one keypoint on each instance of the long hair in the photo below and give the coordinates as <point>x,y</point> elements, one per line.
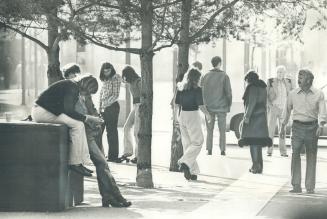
<point>193,79</point>
<point>129,74</point>
<point>253,80</point>
<point>89,84</point>
<point>107,65</point>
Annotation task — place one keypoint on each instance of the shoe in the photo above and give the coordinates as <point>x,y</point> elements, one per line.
<point>209,152</point>
<point>296,190</point>
<point>113,202</point>
<point>222,153</point>
<point>134,160</point>
<point>269,154</point>
<point>124,158</point>
<point>310,191</point>
<point>284,155</point>
<point>253,170</point>
<point>186,171</point>
<point>123,201</point>
<point>114,160</point>
<point>194,177</point>
<point>80,170</point>
<point>88,170</point>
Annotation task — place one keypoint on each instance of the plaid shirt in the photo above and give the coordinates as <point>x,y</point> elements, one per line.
<point>109,92</point>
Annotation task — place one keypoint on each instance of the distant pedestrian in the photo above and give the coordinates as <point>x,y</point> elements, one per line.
<point>109,107</point>
<point>190,100</point>
<point>278,89</point>
<point>254,129</point>
<point>309,111</point>
<point>217,97</point>
<point>134,80</point>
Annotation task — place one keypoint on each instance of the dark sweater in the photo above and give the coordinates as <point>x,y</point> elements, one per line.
<point>190,100</point>
<point>61,97</point>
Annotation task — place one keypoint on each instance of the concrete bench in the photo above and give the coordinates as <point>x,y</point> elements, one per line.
<point>34,174</point>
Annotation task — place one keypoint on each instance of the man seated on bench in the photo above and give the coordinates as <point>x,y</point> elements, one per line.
<point>57,105</point>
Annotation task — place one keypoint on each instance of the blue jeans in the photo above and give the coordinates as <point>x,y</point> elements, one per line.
<point>304,135</point>
<point>221,117</point>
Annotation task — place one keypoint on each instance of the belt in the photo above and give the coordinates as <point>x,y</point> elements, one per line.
<point>306,123</point>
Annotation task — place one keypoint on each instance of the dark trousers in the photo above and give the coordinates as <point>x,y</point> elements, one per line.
<point>110,117</point>
<point>106,182</point>
<point>256,156</point>
<point>304,135</point>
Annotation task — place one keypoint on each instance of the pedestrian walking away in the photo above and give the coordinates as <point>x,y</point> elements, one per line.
<point>109,107</point>
<point>278,89</point>
<point>309,110</point>
<point>254,128</point>
<point>190,99</point>
<point>217,97</point>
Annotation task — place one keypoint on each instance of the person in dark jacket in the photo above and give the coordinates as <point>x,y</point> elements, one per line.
<point>57,105</point>
<point>254,128</point>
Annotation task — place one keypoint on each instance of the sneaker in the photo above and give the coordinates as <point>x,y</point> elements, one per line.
<point>222,153</point>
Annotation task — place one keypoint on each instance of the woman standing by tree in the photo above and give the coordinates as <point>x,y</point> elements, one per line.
<point>109,107</point>
<point>254,129</point>
<point>190,100</point>
<point>129,76</point>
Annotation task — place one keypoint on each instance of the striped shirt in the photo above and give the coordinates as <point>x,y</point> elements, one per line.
<point>109,92</point>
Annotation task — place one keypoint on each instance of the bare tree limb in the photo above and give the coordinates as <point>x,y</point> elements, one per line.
<point>166,4</point>
<point>41,44</point>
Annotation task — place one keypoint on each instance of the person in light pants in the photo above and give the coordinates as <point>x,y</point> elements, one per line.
<point>134,81</point>
<point>190,101</point>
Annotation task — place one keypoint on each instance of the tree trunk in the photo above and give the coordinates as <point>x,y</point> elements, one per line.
<point>54,73</point>
<point>183,55</point>
<point>144,172</point>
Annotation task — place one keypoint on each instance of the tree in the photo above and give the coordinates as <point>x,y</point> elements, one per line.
<point>21,16</point>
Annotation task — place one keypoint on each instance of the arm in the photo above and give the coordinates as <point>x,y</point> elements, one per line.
<point>90,106</point>
<point>251,102</point>
<point>286,115</point>
<point>228,90</point>
<point>70,99</point>
<point>322,110</point>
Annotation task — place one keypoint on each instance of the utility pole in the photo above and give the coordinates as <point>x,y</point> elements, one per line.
<point>23,72</point>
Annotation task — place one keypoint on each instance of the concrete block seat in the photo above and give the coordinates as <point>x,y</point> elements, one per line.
<point>34,174</point>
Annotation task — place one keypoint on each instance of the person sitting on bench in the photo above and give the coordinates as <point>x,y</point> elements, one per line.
<point>57,105</point>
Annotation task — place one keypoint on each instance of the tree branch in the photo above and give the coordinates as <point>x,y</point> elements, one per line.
<point>211,19</point>
<point>167,4</point>
<point>46,48</point>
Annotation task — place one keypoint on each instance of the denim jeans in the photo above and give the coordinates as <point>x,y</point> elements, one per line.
<point>106,182</point>
<point>304,135</point>
<point>110,117</point>
<point>256,156</point>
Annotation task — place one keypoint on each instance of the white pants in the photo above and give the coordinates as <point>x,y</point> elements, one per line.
<point>133,119</point>
<point>275,114</point>
<point>192,139</point>
<point>78,148</point>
